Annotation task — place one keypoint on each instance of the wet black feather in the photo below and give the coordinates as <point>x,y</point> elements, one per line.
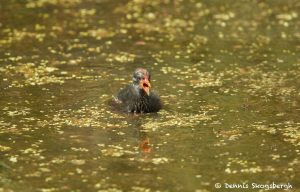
<point>134,100</point>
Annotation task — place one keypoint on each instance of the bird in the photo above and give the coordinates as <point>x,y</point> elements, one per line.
<point>138,97</point>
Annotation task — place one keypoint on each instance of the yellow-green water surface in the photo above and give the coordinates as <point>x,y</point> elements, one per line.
<point>228,73</point>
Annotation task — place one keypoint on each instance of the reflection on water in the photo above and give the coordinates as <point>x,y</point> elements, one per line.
<point>227,72</point>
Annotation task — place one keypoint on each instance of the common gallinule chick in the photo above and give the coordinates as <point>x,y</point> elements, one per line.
<point>138,96</point>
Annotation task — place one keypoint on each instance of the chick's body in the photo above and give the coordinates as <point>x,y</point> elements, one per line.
<point>138,96</point>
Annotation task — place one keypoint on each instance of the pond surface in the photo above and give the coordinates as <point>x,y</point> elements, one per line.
<point>228,73</point>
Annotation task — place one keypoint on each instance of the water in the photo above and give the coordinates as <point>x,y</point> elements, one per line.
<point>227,73</point>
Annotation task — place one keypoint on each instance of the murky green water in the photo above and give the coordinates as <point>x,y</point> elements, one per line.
<point>227,71</point>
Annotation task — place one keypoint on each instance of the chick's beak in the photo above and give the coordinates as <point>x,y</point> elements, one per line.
<point>145,85</point>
